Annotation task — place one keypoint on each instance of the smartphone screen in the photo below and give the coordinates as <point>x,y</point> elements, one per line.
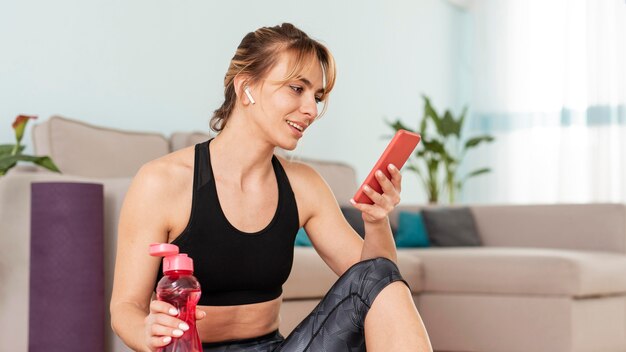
<point>397,153</point>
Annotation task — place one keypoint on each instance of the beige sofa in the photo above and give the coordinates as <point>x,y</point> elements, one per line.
<point>548,278</point>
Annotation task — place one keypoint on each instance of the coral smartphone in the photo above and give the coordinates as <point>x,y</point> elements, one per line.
<point>396,153</point>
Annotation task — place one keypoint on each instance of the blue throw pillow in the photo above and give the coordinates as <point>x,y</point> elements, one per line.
<point>302,239</point>
<point>411,231</point>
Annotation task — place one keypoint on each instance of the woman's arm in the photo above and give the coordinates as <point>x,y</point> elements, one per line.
<point>378,237</point>
<point>333,238</point>
<point>143,220</point>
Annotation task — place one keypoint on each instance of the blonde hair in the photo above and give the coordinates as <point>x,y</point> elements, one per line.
<point>257,54</point>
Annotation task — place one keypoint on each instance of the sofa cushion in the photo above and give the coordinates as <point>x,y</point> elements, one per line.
<point>522,271</point>
<point>451,227</point>
<point>312,278</point>
<point>85,150</point>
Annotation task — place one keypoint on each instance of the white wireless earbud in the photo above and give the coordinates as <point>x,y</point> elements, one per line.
<point>247,91</point>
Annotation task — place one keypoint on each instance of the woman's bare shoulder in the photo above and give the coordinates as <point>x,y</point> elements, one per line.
<point>167,173</point>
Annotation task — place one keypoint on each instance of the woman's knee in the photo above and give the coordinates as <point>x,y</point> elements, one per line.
<point>369,277</point>
<point>382,263</point>
<point>377,267</point>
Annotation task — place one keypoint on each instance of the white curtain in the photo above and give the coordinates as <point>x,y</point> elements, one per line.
<point>549,82</point>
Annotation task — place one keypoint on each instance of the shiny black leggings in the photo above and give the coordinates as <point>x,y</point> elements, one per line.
<point>336,324</point>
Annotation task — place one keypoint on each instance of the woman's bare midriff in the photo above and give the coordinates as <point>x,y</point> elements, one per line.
<point>223,323</point>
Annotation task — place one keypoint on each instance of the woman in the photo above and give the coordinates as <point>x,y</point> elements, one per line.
<point>235,208</point>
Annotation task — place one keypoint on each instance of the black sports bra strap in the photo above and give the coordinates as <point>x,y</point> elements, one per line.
<point>202,167</point>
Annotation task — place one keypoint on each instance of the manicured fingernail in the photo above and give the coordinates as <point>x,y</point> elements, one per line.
<point>167,339</point>
<point>177,333</point>
<point>392,167</point>
<point>173,311</point>
<point>379,173</point>
<point>183,326</point>
<point>352,201</point>
<point>367,188</point>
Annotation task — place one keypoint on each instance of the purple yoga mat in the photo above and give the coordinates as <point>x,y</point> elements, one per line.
<point>66,302</point>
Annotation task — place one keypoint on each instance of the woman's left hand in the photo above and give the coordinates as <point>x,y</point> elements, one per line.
<point>383,203</point>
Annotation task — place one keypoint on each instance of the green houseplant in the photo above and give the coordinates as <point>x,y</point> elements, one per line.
<point>442,149</point>
<point>11,154</point>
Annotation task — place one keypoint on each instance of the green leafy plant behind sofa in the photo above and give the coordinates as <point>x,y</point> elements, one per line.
<point>442,149</point>
<point>11,154</point>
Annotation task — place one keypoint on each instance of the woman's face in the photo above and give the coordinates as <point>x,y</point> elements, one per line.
<point>285,110</point>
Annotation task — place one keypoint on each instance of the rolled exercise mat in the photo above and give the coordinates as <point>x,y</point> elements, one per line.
<point>66,301</point>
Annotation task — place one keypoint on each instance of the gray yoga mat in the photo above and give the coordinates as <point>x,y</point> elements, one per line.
<point>66,301</point>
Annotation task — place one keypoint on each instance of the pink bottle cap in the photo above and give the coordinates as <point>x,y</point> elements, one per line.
<point>172,259</point>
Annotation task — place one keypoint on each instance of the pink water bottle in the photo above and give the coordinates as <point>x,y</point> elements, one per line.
<point>181,289</point>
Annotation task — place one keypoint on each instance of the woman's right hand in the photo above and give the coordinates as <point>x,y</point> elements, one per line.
<point>162,324</point>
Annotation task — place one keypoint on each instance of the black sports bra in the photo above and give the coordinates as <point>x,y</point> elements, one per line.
<point>235,267</point>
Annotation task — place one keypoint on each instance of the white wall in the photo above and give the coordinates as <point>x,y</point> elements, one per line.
<point>158,65</point>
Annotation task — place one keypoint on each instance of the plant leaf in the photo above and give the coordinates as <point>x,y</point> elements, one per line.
<point>475,141</point>
<point>413,167</point>
<point>45,161</point>
<point>434,146</point>
<point>450,161</point>
<point>462,120</point>
<point>433,166</point>
<point>429,112</point>
<point>7,149</point>
<point>478,172</point>
<point>398,125</point>
<point>4,167</point>
<point>7,162</point>
<point>422,129</point>
<point>449,126</point>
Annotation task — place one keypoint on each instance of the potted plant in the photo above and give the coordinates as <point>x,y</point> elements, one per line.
<point>11,154</point>
<point>437,158</point>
